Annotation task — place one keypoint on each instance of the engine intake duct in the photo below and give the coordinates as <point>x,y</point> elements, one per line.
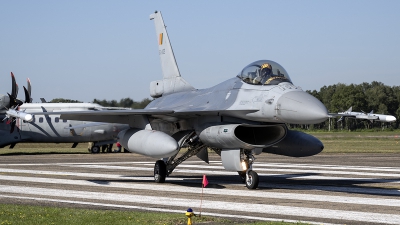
<point>247,136</point>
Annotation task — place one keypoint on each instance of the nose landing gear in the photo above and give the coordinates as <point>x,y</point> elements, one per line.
<point>249,177</point>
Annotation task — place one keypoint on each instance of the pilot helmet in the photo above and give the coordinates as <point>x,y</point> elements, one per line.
<point>265,69</point>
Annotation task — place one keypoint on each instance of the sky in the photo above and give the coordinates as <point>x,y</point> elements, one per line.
<point>82,50</point>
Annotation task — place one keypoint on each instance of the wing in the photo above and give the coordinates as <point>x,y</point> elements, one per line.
<point>139,117</point>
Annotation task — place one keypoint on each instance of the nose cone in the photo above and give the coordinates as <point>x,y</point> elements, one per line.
<point>299,107</point>
<point>390,119</point>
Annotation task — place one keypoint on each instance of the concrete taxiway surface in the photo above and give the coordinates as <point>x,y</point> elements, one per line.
<point>327,188</point>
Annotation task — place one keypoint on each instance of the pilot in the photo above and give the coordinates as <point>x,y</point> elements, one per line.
<point>265,72</point>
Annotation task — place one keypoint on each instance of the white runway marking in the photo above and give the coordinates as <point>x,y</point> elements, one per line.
<point>214,172</point>
<point>150,178</point>
<point>164,188</point>
<point>237,206</point>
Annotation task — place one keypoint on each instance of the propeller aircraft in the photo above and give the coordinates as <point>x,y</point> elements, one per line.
<point>22,126</point>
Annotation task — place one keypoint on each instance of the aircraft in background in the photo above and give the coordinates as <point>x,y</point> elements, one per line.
<point>366,116</point>
<point>239,118</point>
<point>52,129</point>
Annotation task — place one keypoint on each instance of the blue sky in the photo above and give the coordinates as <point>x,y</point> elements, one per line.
<point>83,50</point>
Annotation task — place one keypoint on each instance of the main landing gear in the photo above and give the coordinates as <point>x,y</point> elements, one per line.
<point>160,171</point>
<point>164,168</point>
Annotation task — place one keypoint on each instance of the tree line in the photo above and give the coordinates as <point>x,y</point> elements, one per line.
<point>376,96</point>
<point>123,103</point>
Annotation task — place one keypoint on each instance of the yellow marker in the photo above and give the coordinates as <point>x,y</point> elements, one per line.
<point>160,40</point>
<point>189,213</point>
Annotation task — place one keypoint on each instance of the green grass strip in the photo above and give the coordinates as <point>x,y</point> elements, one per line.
<point>26,215</point>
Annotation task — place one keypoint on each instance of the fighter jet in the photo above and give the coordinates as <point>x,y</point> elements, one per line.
<point>17,123</point>
<point>366,116</point>
<point>238,118</point>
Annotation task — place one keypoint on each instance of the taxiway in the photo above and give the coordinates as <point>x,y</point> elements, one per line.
<point>327,188</point>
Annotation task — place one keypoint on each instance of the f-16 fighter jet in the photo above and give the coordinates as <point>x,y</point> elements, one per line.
<point>239,118</point>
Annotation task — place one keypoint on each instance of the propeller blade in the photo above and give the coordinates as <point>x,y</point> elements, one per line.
<point>12,101</point>
<point>29,90</point>
<point>14,90</point>
<point>27,96</point>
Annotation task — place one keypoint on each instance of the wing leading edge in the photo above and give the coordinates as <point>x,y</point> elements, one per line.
<point>139,118</point>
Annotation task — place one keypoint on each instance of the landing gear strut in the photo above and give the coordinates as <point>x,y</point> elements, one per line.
<point>162,168</point>
<point>249,177</point>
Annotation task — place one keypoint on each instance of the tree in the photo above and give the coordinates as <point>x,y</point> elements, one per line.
<point>124,103</point>
<point>63,100</point>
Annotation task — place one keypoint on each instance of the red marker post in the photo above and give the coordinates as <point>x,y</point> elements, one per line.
<point>204,183</point>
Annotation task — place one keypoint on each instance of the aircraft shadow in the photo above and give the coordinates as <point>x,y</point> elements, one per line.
<point>289,181</point>
<point>275,182</point>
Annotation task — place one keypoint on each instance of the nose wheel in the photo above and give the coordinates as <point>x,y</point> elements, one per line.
<point>160,171</point>
<point>251,179</point>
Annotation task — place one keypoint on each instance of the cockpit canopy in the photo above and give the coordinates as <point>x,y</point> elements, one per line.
<point>264,72</point>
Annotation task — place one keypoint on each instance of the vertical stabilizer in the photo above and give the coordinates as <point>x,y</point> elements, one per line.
<point>350,109</point>
<point>168,62</point>
<point>172,82</point>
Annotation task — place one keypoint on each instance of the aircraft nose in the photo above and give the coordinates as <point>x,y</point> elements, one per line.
<point>390,118</point>
<point>299,107</point>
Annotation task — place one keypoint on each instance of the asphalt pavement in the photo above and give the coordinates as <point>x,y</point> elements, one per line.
<point>323,189</point>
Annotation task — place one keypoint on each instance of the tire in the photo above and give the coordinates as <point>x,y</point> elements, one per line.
<point>95,149</point>
<point>252,180</point>
<point>160,171</point>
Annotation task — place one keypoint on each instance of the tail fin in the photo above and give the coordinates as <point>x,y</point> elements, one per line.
<point>172,82</point>
<point>350,109</point>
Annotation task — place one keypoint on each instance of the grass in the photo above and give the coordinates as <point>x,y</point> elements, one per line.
<point>359,142</point>
<point>334,142</point>
<point>44,148</point>
<point>23,215</point>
